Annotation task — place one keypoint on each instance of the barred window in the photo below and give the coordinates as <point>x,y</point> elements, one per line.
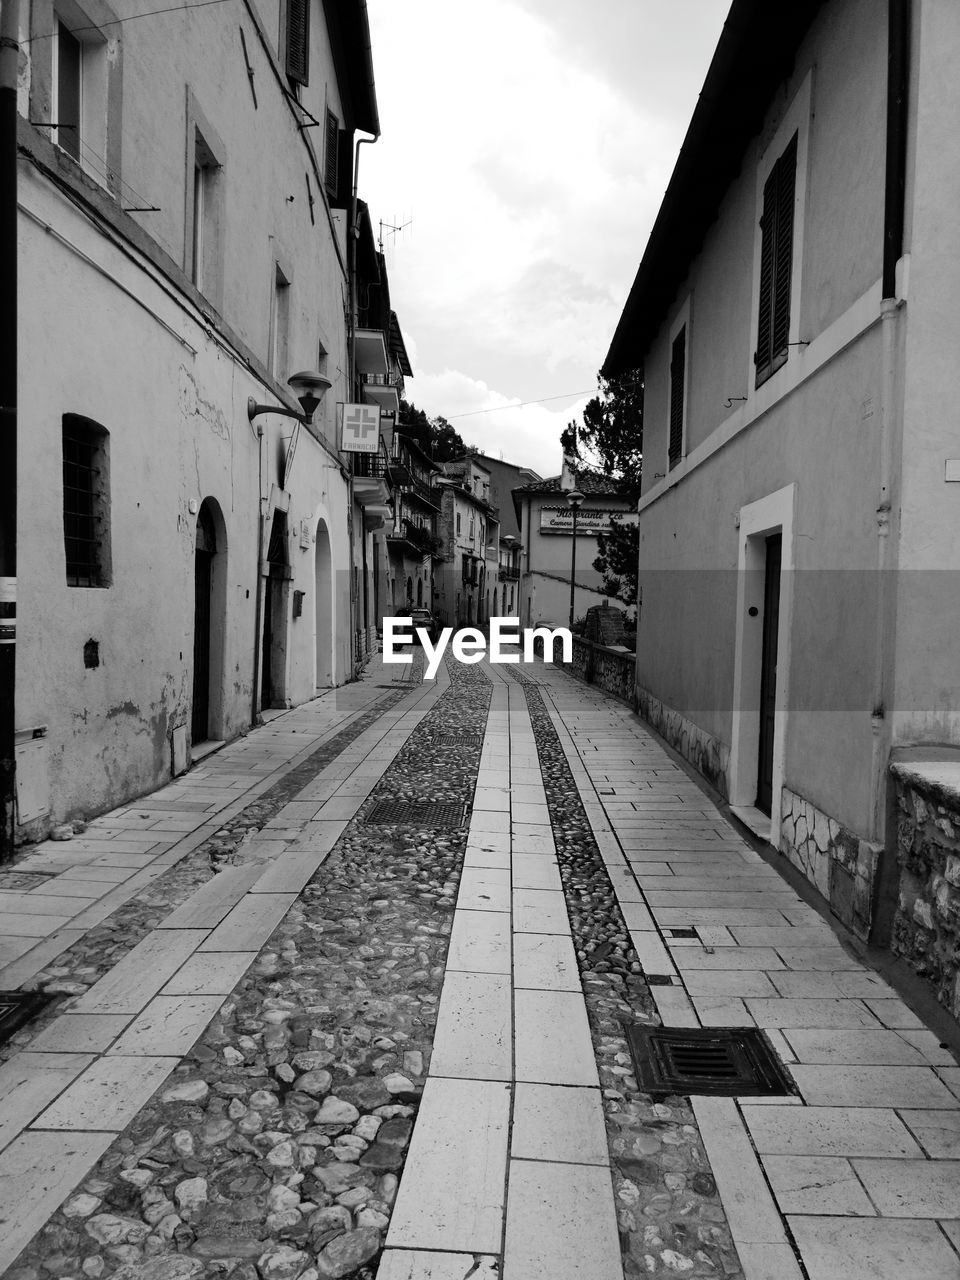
<point>86,502</point>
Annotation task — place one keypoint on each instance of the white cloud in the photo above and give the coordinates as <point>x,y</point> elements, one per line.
<point>528,435</point>
<point>532,168</point>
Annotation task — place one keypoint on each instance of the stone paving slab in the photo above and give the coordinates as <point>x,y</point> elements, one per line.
<point>446,1203</point>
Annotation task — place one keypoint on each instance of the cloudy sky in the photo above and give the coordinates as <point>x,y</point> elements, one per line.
<point>528,144</point>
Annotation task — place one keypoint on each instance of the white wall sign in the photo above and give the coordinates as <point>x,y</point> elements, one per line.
<point>360,428</point>
<point>590,522</point>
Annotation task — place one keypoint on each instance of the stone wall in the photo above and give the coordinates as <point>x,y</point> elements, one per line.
<point>926,928</point>
<point>707,754</point>
<point>842,866</point>
<point>612,670</point>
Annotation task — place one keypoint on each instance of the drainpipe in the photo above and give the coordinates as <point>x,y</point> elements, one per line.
<point>353,234</point>
<point>891,422</point>
<point>9,66</point>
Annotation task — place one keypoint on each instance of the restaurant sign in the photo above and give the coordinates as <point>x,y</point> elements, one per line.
<point>590,520</point>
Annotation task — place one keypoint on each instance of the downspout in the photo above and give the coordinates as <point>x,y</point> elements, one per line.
<point>891,418</point>
<point>353,235</point>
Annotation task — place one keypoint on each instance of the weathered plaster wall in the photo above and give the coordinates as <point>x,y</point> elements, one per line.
<point>927,694</point>
<point>179,434</point>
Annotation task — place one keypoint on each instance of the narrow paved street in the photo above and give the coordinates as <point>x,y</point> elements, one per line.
<point>348,1000</point>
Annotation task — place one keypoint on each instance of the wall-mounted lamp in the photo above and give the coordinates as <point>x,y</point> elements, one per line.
<point>309,388</point>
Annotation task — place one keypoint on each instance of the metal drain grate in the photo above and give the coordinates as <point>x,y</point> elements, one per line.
<point>23,880</point>
<point>416,813</point>
<point>680,933</point>
<point>730,1061</point>
<point>459,739</point>
<point>18,1007</point>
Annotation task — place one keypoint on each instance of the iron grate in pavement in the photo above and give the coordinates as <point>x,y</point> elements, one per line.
<point>416,813</point>
<point>459,739</point>
<point>18,1007</point>
<point>23,881</point>
<point>730,1061</point>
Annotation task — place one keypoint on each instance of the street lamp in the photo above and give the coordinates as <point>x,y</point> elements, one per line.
<point>309,387</point>
<point>575,500</point>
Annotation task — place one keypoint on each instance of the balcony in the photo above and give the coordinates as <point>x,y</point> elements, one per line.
<point>383,389</point>
<point>509,574</point>
<point>419,538</point>
<point>370,484</point>
<point>371,352</point>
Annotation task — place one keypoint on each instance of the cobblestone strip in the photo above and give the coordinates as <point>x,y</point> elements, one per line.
<point>78,967</point>
<point>273,1150</point>
<point>669,1214</point>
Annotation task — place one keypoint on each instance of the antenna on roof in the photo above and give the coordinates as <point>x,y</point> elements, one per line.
<point>392,229</point>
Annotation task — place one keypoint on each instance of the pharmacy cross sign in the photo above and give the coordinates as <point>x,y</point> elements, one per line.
<point>361,428</point>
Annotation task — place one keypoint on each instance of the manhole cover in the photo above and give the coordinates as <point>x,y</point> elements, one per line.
<point>416,813</point>
<point>23,880</point>
<point>713,1060</point>
<point>459,740</point>
<point>18,1007</point>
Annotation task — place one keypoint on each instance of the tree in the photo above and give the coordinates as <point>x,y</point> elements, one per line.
<point>435,436</point>
<point>610,444</point>
<point>610,441</point>
<point>618,554</point>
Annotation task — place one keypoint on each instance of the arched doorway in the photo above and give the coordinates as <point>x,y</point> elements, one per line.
<point>419,593</point>
<point>209,610</point>
<point>409,592</point>
<point>323,578</point>
<point>273,674</point>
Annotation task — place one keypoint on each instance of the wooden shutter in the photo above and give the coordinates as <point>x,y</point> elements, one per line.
<point>331,155</point>
<point>298,40</point>
<point>678,364</point>
<point>776,264</point>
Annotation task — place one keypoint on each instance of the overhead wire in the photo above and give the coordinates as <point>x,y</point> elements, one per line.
<point>132,17</point>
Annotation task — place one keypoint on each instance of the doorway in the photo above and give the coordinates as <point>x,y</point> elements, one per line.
<point>204,552</point>
<point>768,671</point>
<point>762,661</point>
<point>323,611</point>
<point>273,674</point>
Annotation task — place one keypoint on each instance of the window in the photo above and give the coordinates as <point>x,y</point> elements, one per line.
<point>678,372</point>
<point>776,264</point>
<point>458,522</point>
<point>69,77</point>
<point>279,324</point>
<point>298,41</point>
<point>79,75</point>
<point>203,250</point>
<point>331,156</point>
<point>86,502</point>
<point>204,211</point>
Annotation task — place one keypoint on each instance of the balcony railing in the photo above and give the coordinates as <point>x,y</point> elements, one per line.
<point>421,538</point>
<point>381,380</point>
<point>371,465</point>
<point>509,574</point>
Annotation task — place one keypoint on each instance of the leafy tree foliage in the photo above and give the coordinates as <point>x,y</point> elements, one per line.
<point>610,440</point>
<point>609,443</point>
<point>434,435</point>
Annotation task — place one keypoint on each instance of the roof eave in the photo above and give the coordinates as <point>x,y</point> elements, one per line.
<point>753,55</point>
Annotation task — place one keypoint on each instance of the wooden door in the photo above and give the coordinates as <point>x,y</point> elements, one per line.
<point>768,672</point>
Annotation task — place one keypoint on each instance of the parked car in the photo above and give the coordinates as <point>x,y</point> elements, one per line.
<point>425,619</point>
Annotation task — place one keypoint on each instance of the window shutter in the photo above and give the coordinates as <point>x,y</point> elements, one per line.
<point>776,264</point>
<point>678,363</point>
<point>298,40</point>
<point>783,254</point>
<point>331,157</point>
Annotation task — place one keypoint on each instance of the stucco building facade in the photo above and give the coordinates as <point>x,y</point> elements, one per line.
<point>546,545</point>
<point>800,520</point>
<point>184,249</point>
